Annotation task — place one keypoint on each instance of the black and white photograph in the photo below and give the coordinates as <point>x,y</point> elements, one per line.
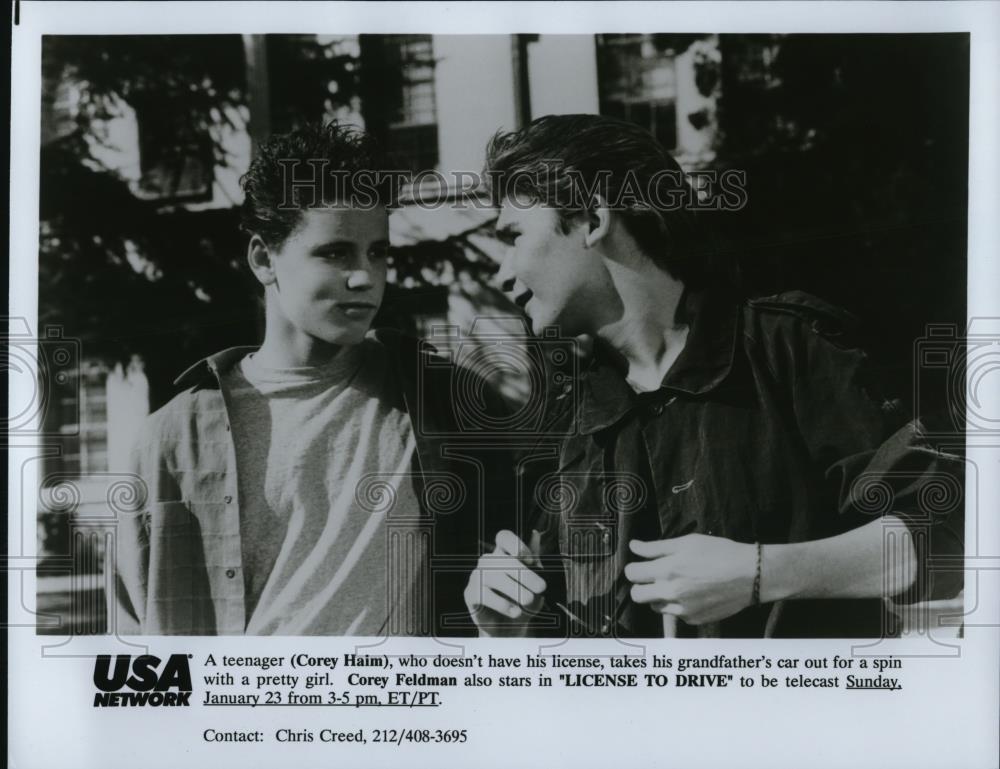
<point>613,345</point>
<point>679,276</point>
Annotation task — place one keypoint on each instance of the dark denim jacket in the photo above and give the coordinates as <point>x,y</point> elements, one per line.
<point>768,428</point>
<point>178,558</point>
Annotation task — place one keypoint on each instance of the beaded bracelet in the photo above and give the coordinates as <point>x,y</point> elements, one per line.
<point>756,579</point>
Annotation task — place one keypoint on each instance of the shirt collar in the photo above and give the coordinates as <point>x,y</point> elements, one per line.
<point>705,361</point>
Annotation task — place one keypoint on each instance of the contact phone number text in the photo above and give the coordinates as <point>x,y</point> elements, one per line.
<point>399,736</point>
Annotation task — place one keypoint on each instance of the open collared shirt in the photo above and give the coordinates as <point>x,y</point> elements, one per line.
<point>177,558</point>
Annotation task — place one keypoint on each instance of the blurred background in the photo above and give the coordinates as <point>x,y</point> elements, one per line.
<point>855,149</point>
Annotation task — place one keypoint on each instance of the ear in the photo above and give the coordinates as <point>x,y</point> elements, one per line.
<point>598,222</point>
<point>261,260</point>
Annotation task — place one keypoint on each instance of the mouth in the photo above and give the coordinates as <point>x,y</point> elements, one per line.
<point>357,309</point>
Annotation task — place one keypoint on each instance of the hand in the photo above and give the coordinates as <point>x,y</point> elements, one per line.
<point>503,591</point>
<point>696,577</point>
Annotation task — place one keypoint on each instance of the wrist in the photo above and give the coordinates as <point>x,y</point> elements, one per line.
<point>756,568</point>
<point>778,580</point>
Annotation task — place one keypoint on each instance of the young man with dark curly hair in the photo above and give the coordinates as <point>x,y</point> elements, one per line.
<point>296,488</point>
<point>770,489</point>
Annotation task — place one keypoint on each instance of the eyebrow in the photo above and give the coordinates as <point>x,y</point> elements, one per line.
<point>330,246</point>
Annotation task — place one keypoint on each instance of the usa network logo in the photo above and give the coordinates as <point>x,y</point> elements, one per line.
<point>147,682</point>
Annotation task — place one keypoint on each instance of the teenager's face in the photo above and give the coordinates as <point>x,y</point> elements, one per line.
<point>558,279</point>
<point>330,273</point>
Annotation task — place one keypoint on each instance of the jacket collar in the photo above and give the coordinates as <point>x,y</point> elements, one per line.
<point>705,361</point>
<point>207,370</point>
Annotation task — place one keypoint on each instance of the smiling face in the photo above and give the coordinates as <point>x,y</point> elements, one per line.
<point>559,279</point>
<point>325,282</point>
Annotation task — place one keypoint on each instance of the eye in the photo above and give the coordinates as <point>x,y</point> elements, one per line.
<point>508,237</point>
<point>379,251</point>
<point>335,253</point>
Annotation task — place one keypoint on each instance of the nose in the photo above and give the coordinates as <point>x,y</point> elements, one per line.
<point>364,272</point>
<point>360,279</point>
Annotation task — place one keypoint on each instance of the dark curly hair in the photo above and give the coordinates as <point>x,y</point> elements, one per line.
<point>560,160</point>
<point>312,166</point>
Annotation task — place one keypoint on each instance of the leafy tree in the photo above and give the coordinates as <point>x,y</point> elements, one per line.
<point>127,274</point>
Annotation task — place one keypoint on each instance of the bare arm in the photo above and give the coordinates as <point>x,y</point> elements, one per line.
<point>705,579</point>
<point>862,563</point>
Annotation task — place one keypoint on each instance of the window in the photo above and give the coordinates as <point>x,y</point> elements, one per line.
<point>412,108</point>
<point>638,82</point>
<point>85,445</point>
<point>176,164</point>
<point>382,83</point>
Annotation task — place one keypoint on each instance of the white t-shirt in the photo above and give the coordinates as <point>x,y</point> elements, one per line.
<point>323,458</point>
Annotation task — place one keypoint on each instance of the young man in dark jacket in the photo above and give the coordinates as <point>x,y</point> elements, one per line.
<point>733,470</point>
